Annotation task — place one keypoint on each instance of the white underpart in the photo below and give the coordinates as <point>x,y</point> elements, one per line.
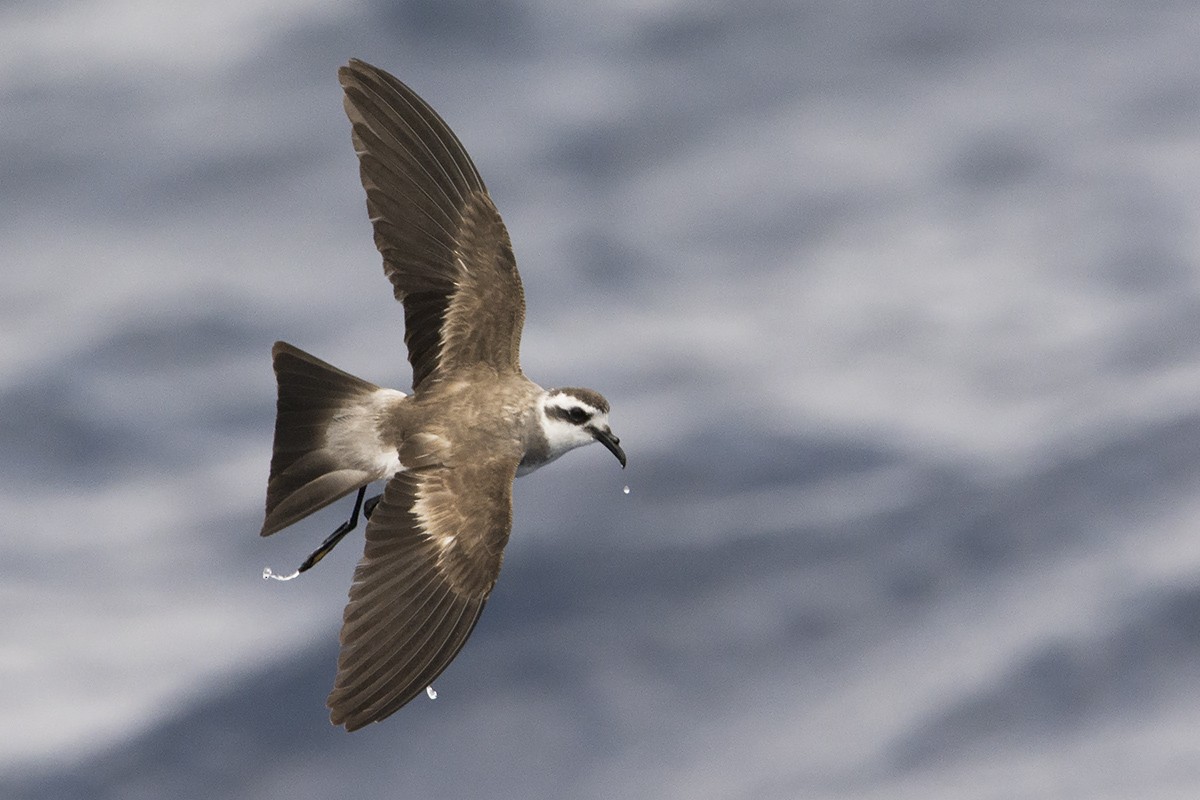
<point>353,434</point>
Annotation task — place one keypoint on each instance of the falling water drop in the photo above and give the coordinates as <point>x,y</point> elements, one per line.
<point>267,573</point>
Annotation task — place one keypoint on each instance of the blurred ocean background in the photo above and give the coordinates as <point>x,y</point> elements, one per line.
<point>898,307</point>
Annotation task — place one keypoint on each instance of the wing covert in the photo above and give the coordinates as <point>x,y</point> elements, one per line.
<point>433,552</point>
<point>445,248</point>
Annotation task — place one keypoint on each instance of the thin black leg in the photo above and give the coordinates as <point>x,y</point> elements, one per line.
<point>342,530</point>
<point>369,506</point>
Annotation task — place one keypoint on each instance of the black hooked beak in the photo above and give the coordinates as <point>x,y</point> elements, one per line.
<point>606,437</point>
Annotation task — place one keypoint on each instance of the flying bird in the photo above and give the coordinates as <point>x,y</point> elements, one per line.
<point>449,451</point>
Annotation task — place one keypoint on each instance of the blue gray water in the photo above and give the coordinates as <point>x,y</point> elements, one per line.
<point>897,305</point>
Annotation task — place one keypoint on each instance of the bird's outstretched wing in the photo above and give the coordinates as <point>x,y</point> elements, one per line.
<point>433,553</point>
<point>445,248</point>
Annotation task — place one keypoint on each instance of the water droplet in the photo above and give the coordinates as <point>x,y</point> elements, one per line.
<point>626,490</point>
<point>432,694</point>
<point>267,573</point>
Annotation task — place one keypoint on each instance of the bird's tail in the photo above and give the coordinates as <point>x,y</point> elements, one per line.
<point>326,436</point>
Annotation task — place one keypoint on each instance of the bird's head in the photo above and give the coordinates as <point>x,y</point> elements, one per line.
<point>574,417</point>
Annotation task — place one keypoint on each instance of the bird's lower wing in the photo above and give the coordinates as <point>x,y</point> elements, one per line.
<point>433,552</point>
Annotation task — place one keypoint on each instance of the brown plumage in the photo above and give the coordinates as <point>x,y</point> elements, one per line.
<point>444,247</point>
<point>449,452</point>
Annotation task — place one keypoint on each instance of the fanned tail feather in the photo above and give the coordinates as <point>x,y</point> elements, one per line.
<point>308,471</point>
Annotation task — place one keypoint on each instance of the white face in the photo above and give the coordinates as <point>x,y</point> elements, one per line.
<point>571,418</point>
<point>566,421</point>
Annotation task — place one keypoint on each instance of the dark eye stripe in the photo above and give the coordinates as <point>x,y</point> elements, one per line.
<point>574,415</point>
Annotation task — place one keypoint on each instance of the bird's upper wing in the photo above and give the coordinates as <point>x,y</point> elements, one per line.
<point>433,553</point>
<point>445,248</point>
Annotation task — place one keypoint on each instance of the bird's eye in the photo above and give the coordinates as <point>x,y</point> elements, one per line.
<point>577,415</point>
